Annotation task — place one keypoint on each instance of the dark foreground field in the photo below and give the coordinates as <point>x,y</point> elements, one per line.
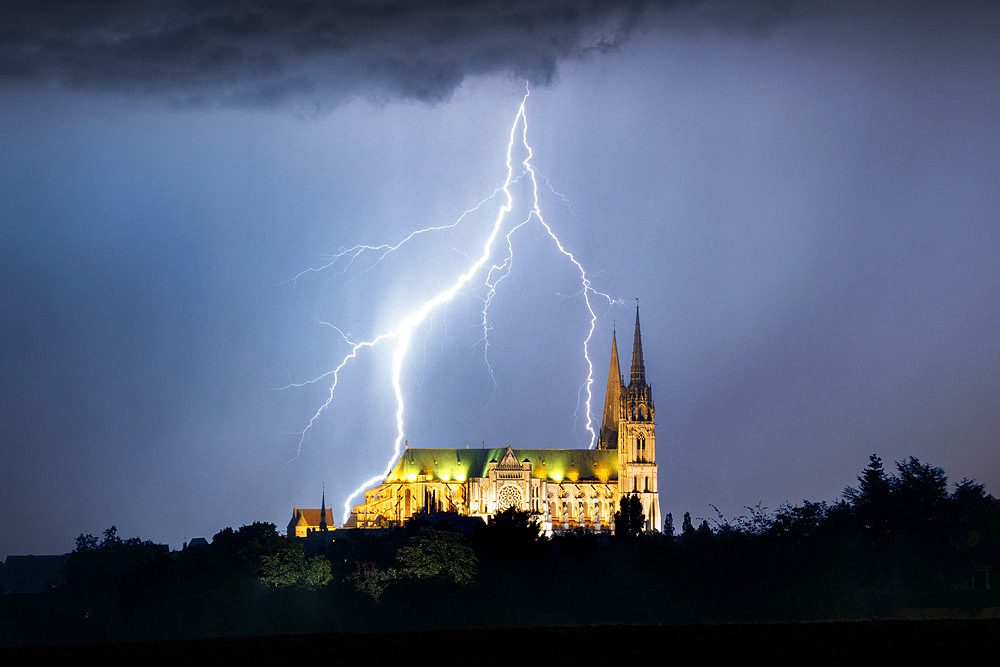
<point>893,642</point>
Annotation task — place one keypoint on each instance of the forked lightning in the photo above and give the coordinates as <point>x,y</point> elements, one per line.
<point>401,334</point>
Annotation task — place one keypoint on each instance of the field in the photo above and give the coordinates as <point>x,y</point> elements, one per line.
<point>894,642</point>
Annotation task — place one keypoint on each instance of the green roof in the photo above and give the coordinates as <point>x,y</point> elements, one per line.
<point>461,464</point>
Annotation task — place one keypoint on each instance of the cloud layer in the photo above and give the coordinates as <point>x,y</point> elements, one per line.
<point>271,53</point>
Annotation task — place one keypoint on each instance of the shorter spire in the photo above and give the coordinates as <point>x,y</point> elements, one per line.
<point>608,438</point>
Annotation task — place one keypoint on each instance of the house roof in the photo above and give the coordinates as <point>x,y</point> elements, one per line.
<point>460,464</point>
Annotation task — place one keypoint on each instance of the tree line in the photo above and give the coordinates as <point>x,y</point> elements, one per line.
<point>895,541</point>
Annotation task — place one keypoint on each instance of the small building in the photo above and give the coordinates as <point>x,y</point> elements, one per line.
<point>307,522</point>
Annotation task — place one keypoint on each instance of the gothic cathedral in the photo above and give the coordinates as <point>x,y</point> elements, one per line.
<point>565,488</point>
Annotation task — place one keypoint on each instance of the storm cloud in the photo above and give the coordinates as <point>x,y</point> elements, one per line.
<point>267,53</point>
<point>263,53</point>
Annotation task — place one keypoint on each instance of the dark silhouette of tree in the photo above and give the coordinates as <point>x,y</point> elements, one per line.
<point>111,575</point>
<point>799,522</point>
<point>920,491</point>
<point>687,530</point>
<point>871,501</point>
<point>975,525</point>
<point>897,540</point>
<point>511,531</point>
<point>668,525</point>
<point>88,542</point>
<point>247,544</point>
<point>873,483</point>
<point>704,532</point>
<point>629,519</point>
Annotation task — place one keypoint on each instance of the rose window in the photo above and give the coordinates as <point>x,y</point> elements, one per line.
<point>509,497</point>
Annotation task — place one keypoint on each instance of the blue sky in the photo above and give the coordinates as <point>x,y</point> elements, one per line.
<point>803,196</point>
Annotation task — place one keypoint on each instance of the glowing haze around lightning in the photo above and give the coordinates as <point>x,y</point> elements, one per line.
<point>401,334</point>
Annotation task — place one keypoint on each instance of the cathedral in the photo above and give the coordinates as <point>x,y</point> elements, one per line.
<point>565,488</point>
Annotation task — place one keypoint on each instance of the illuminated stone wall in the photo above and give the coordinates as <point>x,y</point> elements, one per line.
<point>566,488</point>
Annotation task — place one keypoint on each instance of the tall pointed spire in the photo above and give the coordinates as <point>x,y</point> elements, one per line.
<point>322,510</point>
<point>638,368</point>
<point>609,426</point>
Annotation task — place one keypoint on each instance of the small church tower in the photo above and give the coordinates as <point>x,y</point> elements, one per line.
<point>629,425</point>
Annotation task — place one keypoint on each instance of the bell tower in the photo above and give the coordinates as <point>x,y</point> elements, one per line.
<point>637,436</point>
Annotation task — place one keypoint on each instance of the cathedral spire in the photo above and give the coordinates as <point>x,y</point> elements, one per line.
<point>322,510</point>
<point>638,368</point>
<point>609,426</point>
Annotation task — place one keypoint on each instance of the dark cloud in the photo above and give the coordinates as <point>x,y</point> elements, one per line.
<point>272,52</point>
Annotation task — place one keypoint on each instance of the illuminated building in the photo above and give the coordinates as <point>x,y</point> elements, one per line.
<point>309,522</point>
<point>566,488</point>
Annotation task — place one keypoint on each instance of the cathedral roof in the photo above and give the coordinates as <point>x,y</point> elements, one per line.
<point>311,517</point>
<point>445,464</point>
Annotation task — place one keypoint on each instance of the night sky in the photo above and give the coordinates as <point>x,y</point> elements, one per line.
<point>805,197</point>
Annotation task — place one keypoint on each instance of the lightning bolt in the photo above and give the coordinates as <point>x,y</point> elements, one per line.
<point>401,334</point>
<point>386,249</point>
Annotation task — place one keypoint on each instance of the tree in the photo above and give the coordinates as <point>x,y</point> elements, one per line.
<point>438,554</point>
<point>975,520</point>
<point>629,519</point>
<point>668,525</point>
<point>112,574</point>
<point>874,485</point>
<point>512,530</point>
<point>921,489</point>
<point>872,499</point>
<point>287,566</point>
<point>367,578</point>
<point>704,532</point>
<point>249,543</point>
<point>687,530</point>
<point>87,542</point>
